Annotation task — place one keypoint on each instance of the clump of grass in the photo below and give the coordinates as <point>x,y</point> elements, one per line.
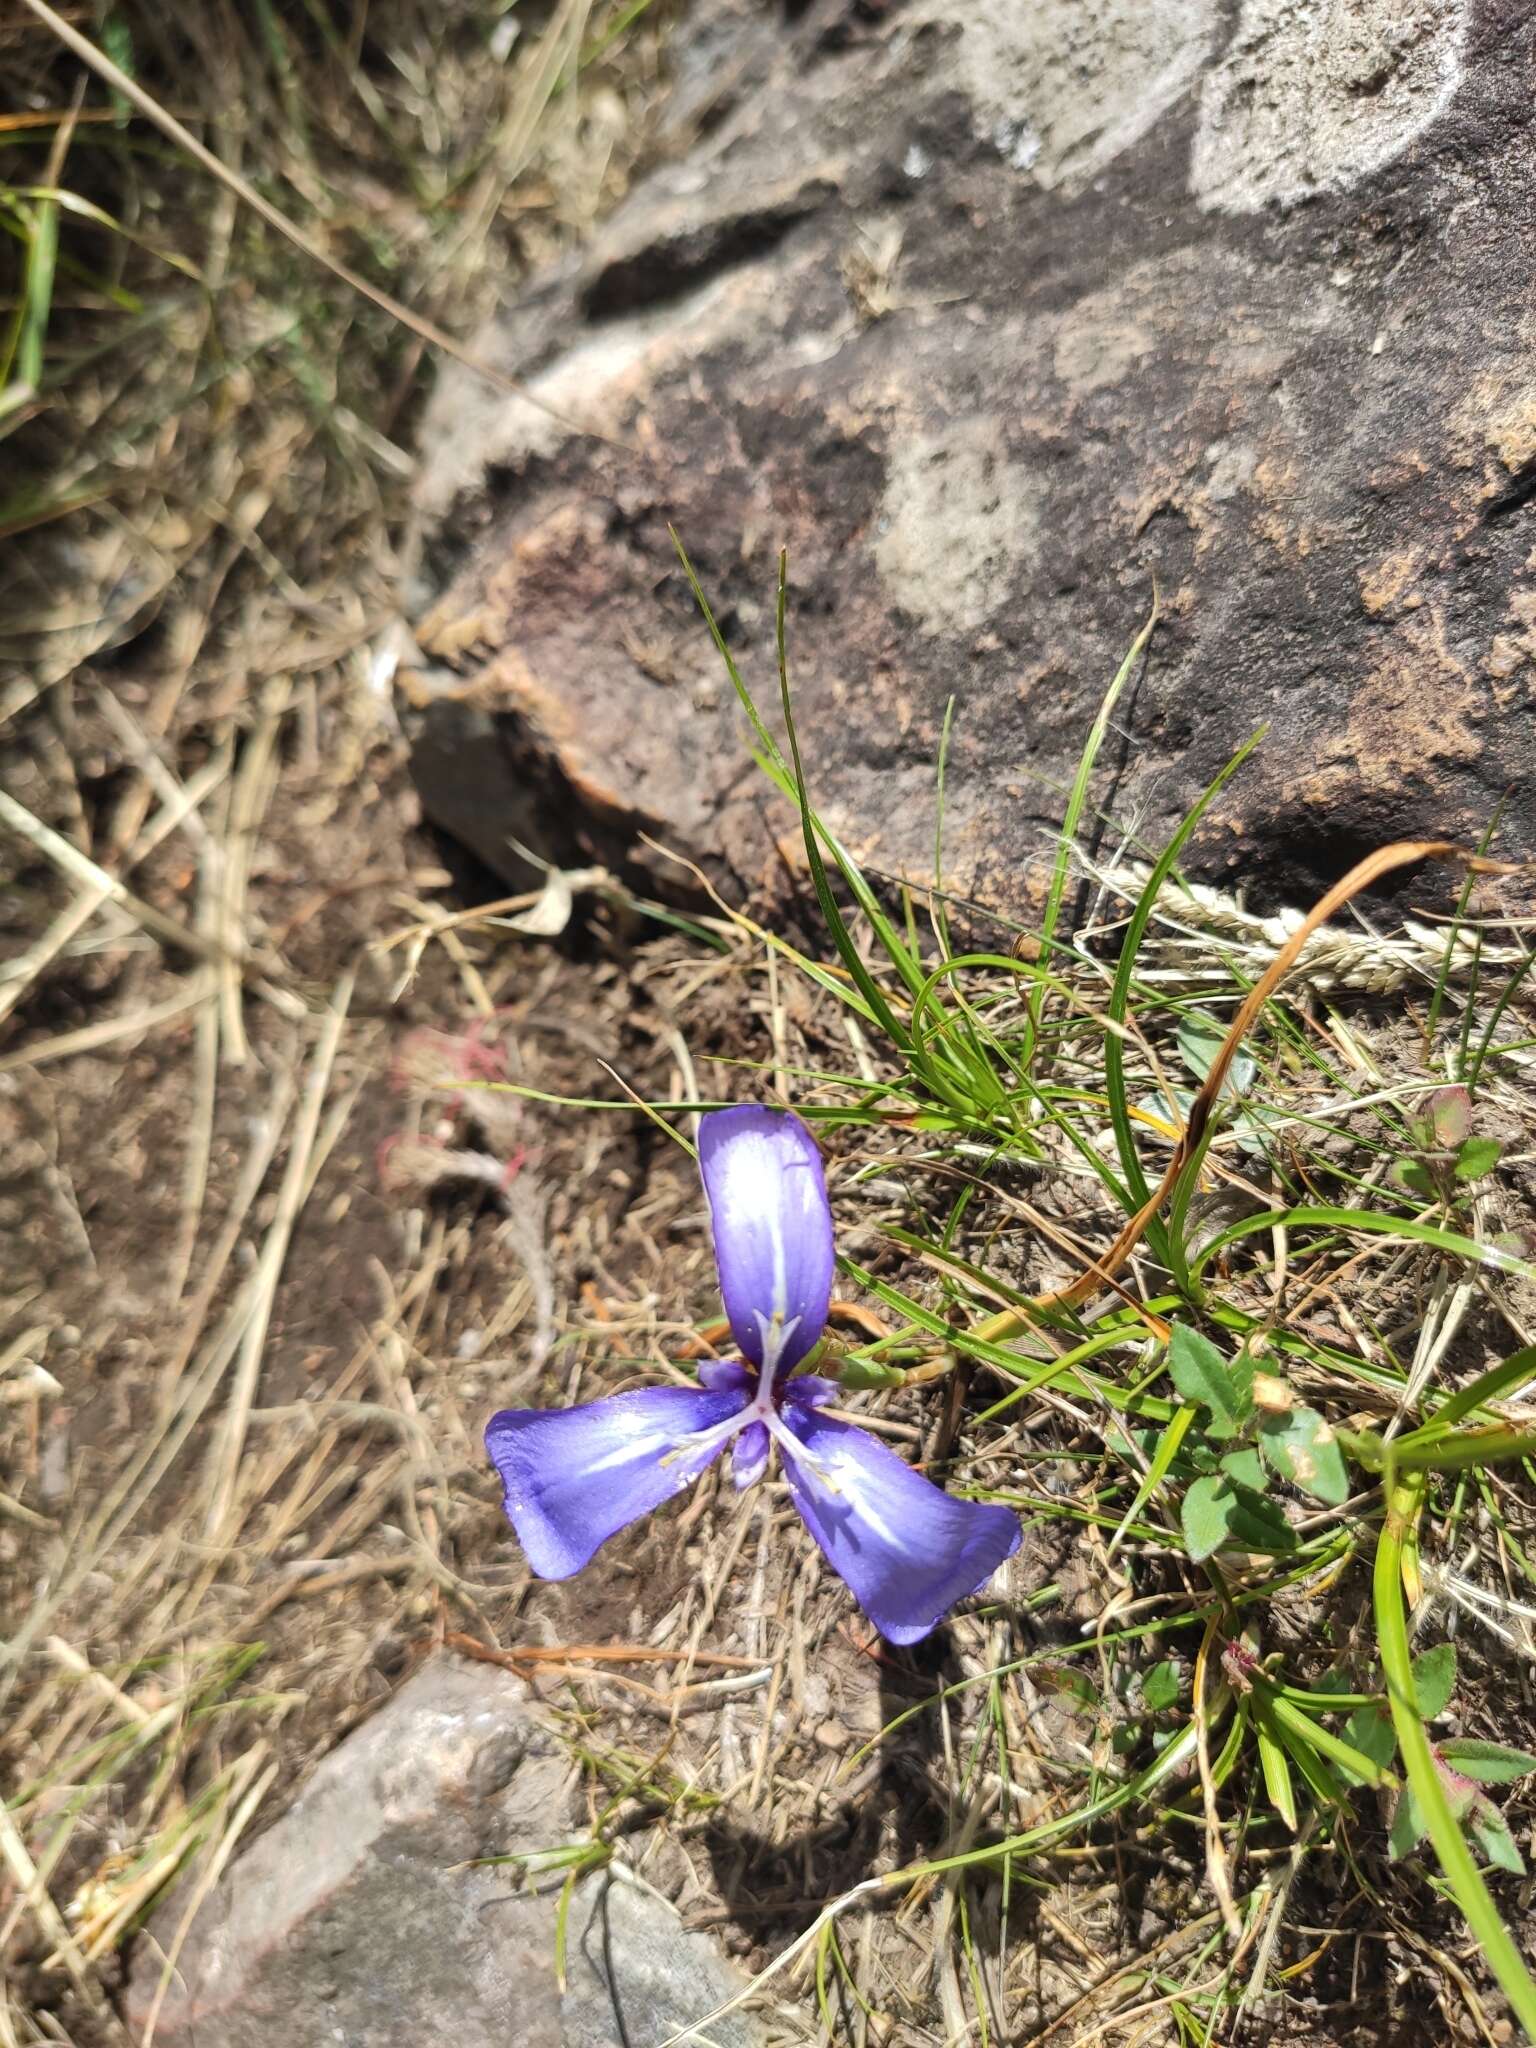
<point>187,397</point>
<point>1236,1442</point>
<point>1200,1282</point>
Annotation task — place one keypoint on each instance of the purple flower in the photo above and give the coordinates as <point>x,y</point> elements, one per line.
<point>576,1476</point>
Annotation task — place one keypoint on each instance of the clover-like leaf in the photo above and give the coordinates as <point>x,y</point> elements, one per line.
<point>1200,1038</point>
<point>1219,1513</point>
<point>1369,1729</point>
<point>1202,1375</point>
<point>1416,1177</point>
<point>1302,1448</point>
<point>1408,1828</point>
<point>1167,1112</point>
<point>1491,1763</point>
<point>1489,1829</point>
<point>1207,1515</point>
<point>1073,1688</point>
<point>1160,1687</point>
<point>1434,1680</point>
<point>1246,1467</point>
<point>1477,1157</point>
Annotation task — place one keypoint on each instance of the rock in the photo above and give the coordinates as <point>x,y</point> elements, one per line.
<point>358,1921</point>
<point>992,314</point>
<point>634,1976</point>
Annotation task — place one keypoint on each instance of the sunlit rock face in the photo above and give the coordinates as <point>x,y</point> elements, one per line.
<point>994,317</point>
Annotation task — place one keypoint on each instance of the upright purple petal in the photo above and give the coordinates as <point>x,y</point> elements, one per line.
<point>575,1476</point>
<point>773,1229</point>
<point>906,1550</point>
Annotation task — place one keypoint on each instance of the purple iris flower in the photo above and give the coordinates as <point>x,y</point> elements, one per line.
<point>576,1476</point>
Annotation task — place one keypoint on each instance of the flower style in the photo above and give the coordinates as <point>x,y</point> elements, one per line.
<point>576,1476</point>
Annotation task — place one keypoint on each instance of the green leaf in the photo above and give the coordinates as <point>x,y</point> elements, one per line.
<point>1408,1827</point>
<point>1277,1776</point>
<point>1434,1680</point>
<point>1206,1515</point>
<point>1303,1732</point>
<point>1246,1467</point>
<point>1404,1496</point>
<point>1125,974</point>
<point>1200,1373</point>
<point>1500,1383</point>
<point>1369,1729</point>
<point>1164,1454</point>
<point>1325,1787</point>
<point>1489,1829</point>
<point>1260,1524</point>
<point>1491,1763</point>
<point>1218,1512</point>
<point>1411,1174</point>
<point>867,1372</point>
<point>1477,1157</point>
<point>1077,798</point>
<point>1303,1449</point>
<point>1199,1039</point>
<point>1373,1222</point>
<point>1333,1681</point>
<point>1160,1687</point>
<point>1172,1108</point>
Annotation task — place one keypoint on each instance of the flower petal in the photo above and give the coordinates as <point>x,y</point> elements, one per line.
<point>749,1456</point>
<point>906,1550</point>
<point>726,1376</point>
<point>772,1226</point>
<point>575,1476</point>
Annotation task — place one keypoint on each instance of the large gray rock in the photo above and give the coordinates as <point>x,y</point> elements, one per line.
<point>992,312</point>
<point>358,1920</point>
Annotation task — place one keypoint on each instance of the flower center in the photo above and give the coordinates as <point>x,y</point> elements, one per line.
<point>763,1406</point>
<point>775,1334</point>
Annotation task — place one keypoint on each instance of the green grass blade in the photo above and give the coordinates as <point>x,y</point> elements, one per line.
<point>1450,1846</point>
<point>1077,799</point>
<point>1499,1383</point>
<point>1373,1223</point>
<point>1157,1471</point>
<point>1474,1067</point>
<point>1119,999</point>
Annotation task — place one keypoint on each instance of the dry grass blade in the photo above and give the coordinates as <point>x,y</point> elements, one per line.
<point>250,1796</point>
<point>24,1872</point>
<point>1191,914</point>
<point>212,479</point>
<point>80,868</point>
<point>20,973</point>
<point>91,1037</point>
<point>120,82</point>
<point>225,1467</point>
